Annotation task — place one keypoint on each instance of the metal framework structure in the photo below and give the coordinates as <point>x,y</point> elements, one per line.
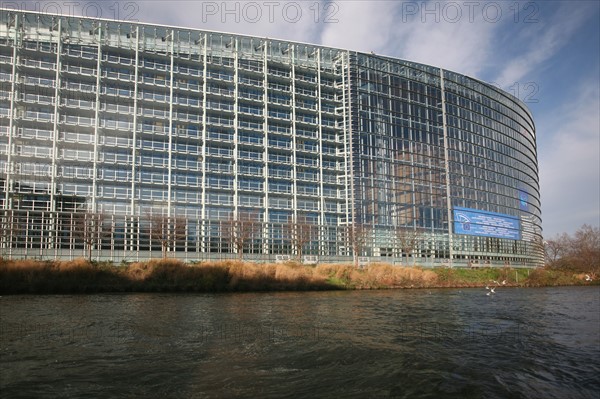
<point>123,139</point>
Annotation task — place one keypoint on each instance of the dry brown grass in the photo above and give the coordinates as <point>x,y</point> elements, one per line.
<point>139,271</point>
<point>388,276</point>
<point>377,275</point>
<point>544,277</point>
<point>168,275</point>
<point>31,276</point>
<point>245,275</point>
<point>76,265</point>
<point>340,272</point>
<point>304,275</point>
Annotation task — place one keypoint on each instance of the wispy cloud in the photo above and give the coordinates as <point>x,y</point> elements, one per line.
<point>570,163</point>
<point>543,40</point>
<point>452,35</point>
<point>362,26</point>
<point>291,20</point>
<point>462,47</point>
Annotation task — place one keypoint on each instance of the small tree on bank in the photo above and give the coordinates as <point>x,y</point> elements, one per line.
<point>11,228</point>
<point>300,233</point>
<point>580,252</point>
<point>408,239</point>
<point>358,235</point>
<point>168,231</point>
<point>240,232</point>
<point>556,248</point>
<point>89,228</point>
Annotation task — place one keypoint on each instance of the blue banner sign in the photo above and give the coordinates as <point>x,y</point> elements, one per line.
<point>523,200</point>
<point>487,224</point>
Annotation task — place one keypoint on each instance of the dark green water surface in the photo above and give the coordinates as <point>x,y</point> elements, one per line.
<point>446,343</point>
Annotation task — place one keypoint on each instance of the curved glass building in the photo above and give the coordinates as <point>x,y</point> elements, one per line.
<point>126,140</point>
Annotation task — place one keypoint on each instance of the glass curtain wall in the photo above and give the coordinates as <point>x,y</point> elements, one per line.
<point>152,138</point>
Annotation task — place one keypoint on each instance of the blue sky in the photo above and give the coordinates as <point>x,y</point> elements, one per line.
<point>545,52</point>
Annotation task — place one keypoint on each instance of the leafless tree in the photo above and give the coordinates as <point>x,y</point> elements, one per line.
<point>555,248</point>
<point>167,230</point>
<point>9,227</point>
<point>5,225</point>
<point>300,233</point>
<point>240,231</point>
<point>585,248</point>
<point>408,239</point>
<point>358,235</point>
<point>580,252</point>
<point>89,228</point>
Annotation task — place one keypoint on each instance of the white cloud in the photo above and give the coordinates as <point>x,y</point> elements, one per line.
<point>362,26</point>
<point>462,47</point>
<point>444,34</point>
<point>570,164</point>
<point>291,20</point>
<point>544,40</point>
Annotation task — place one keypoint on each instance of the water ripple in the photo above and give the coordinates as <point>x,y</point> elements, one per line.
<point>523,343</point>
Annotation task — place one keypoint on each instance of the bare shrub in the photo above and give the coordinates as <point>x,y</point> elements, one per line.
<point>580,252</point>
<point>169,231</point>
<point>300,233</point>
<point>90,228</point>
<point>240,232</point>
<point>358,237</point>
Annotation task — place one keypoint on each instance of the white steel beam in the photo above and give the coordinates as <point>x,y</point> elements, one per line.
<point>96,121</point>
<point>446,167</point>
<point>235,129</point>
<point>203,213</point>
<point>322,224</point>
<point>56,114</point>
<point>11,125</point>
<point>170,133</point>
<point>135,113</point>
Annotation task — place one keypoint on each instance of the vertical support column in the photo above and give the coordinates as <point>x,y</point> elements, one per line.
<point>170,133</point>
<point>56,114</point>
<point>295,233</point>
<point>53,169</point>
<point>294,141</point>
<point>130,222</point>
<point>345,144</point>
<point>135,123</point>
<point>446,167</point>
<point>203,224</point>
<point>11,125</point>
<point>96,121</point>
<point>349,173</point>
<point>235,128</point>
<point>413,199</point>
<point>322,226</point>
<point>266,221</point>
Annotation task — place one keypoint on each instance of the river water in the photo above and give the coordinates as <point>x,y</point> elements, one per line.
<point>455,343</point>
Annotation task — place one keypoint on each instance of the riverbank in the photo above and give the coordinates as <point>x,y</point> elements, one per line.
<point>168,275</point>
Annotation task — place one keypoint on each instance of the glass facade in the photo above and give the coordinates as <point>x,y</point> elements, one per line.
<point>129,139</point>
